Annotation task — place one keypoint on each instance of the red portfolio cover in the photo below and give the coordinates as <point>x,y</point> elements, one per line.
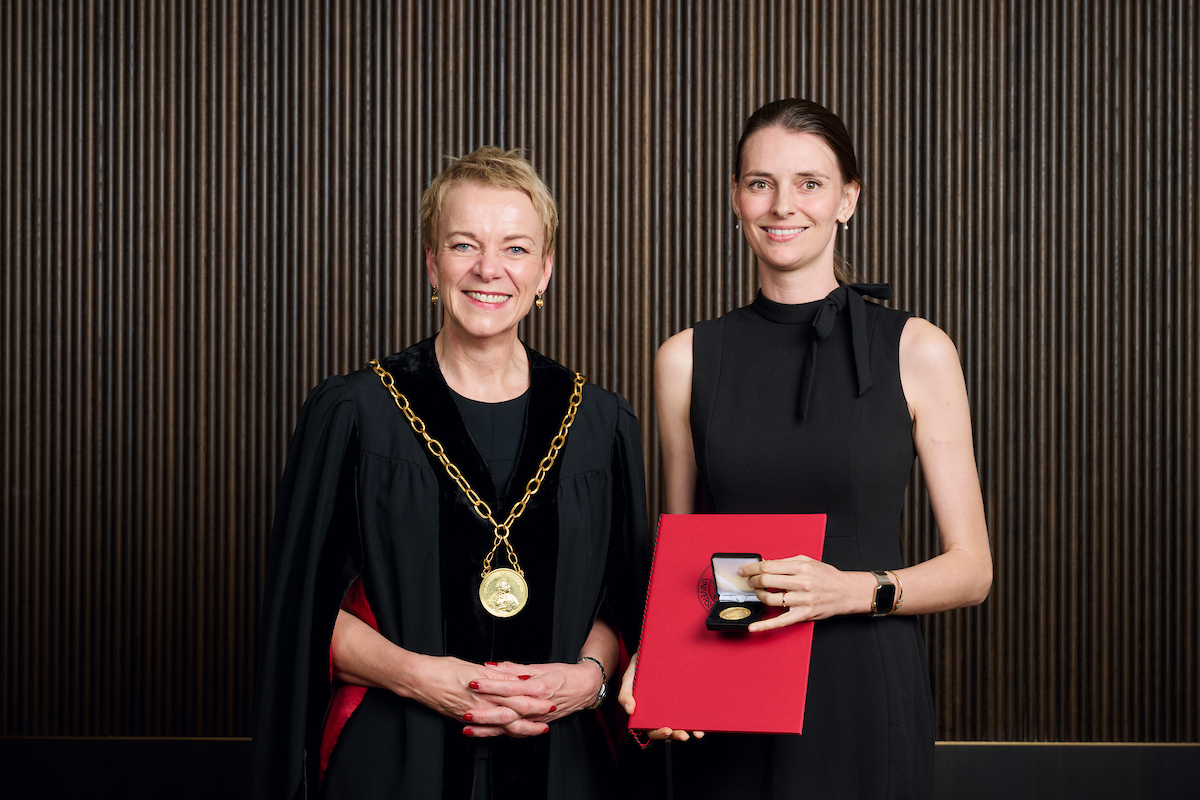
<point>691,678</point>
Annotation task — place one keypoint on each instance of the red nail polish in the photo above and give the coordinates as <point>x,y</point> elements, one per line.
<point>524,677</point>
<point>467,731</point>
<point>467,717</point>
<point>473,684</point>
<point>554,708</point>
<point>489,663</point>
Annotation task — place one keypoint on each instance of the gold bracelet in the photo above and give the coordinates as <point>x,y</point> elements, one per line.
<point>899,590</point>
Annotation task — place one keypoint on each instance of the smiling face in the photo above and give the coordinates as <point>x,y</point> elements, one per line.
<point>790,197</point>
<point>488,261</point>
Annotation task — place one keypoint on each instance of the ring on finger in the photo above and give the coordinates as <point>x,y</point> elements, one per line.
<point>783,600</point>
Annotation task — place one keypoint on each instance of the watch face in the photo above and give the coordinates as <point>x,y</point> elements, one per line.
<point>885,598</point>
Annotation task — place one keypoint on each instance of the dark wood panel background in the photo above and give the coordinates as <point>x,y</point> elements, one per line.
<point>207,207</point>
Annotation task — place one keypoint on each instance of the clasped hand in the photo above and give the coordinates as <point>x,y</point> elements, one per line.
<point>509,699</point>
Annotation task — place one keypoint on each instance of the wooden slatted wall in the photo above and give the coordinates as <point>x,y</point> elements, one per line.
<point>207,207</point>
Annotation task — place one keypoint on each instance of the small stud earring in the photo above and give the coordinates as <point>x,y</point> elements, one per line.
<point>434,299</point>
<point>539,302</point>
<point>737,226</point>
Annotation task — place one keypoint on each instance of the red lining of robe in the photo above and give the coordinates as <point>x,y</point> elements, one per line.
<point>346,697</point>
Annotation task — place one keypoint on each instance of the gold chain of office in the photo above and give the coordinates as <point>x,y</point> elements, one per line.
<point>481,507</point>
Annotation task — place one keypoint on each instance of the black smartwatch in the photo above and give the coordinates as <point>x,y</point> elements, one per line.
<point>883,602</point>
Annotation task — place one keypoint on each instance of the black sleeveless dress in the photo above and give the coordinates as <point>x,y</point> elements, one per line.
<point>783,426</point>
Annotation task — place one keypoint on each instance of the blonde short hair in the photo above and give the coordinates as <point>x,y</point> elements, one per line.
<point>490,166</point>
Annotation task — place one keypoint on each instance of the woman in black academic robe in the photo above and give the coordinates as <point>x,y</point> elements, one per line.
<point>398,657</point>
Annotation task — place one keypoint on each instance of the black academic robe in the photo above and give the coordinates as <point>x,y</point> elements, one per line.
<point>362,500</point>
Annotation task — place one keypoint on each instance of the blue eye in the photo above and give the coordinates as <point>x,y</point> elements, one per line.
<point>517,250</point>
<point>461,247</point>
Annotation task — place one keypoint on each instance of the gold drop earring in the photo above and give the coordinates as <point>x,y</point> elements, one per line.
<point>539,302</point>
<point>434,299</point>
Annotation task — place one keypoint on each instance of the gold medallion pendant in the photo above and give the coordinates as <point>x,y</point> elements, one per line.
<point>735,612</point>
<point>503,592</point>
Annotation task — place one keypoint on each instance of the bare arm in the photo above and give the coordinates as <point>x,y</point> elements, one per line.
<point>673,402</point>
<point>937,397</point>
<point>961,575</point>
<point>604,645</point>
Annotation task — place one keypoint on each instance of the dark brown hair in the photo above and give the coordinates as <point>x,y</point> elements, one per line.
<point>805,116</point>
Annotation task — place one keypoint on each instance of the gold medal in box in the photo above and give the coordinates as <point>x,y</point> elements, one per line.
<point>737,606</point>
<point>502,591</point>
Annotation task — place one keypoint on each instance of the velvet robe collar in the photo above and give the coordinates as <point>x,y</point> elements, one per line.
<point>419,377</point>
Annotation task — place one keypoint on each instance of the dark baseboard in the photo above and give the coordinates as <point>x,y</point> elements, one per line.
<point>126,768</point>
<point>183,769</point>
<point>1055,770</point>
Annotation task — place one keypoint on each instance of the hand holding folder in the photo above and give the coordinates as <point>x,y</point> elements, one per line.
<point>692,678</point>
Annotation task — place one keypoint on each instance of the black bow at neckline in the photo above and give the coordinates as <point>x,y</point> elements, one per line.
<point>823,322</point>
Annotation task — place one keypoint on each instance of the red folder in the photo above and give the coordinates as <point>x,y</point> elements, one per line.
<point>691,678</point>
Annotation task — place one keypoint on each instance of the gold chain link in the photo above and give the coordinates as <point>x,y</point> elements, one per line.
<point>481,508</point>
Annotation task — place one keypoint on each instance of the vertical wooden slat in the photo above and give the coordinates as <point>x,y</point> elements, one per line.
<point>209,207</point>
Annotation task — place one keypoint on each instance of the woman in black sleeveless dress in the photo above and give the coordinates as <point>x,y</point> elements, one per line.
<point>813,400</point>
